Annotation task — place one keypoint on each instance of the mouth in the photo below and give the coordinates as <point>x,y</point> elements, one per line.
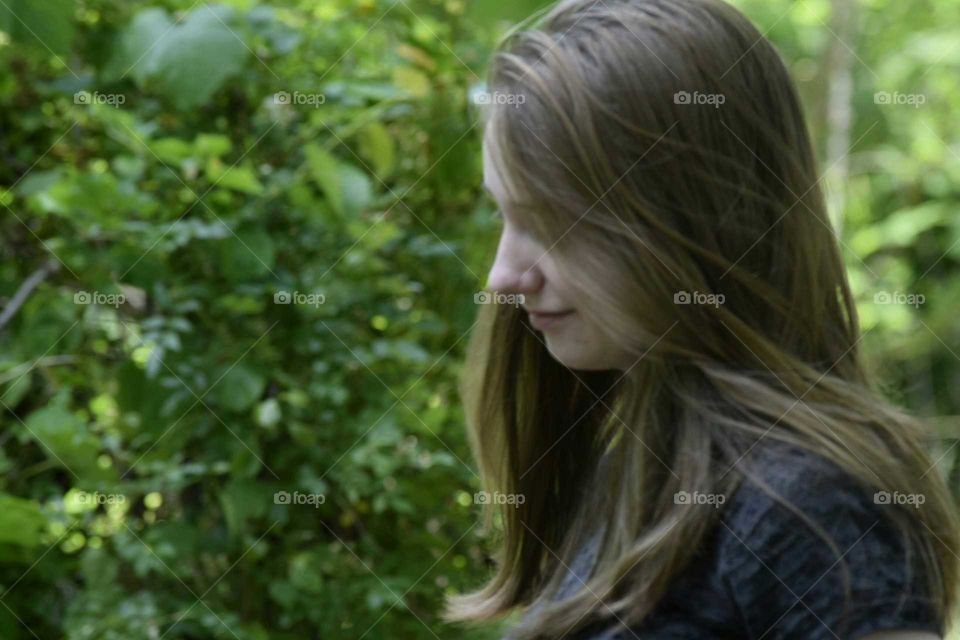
<point>545,321</point>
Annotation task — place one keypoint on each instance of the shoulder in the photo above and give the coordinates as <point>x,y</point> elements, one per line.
<point>806,480</point>
<point>790,570</point>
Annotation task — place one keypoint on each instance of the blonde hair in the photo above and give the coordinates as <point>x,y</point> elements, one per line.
<point>650,195</point>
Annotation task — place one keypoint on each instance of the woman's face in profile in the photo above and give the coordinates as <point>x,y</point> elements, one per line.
<point>524,266</point>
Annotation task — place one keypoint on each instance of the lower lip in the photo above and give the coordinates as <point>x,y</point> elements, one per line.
<point>542,322</point>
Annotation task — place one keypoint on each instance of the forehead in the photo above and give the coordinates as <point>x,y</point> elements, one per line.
<point>506,192</point>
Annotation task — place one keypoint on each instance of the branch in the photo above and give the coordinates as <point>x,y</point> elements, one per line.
<point>26,288</point>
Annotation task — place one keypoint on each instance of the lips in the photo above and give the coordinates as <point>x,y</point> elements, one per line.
<point>544,321</point>
<point>548,313</point>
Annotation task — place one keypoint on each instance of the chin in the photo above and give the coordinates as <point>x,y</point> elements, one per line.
<point>576,359</point>
<point>588,356</point>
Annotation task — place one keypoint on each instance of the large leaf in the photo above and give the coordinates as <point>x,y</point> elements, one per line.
<point>347,189</point>
<point>378,147</point>
<point>901,228</point>
<point>240,388</point>
<point>243,500</point>
<point>136,42</point>
<point>21,521</point>
<point>66,440</point>
<point>239,178</point>
<point>46,25</point>
<point>185,62</point>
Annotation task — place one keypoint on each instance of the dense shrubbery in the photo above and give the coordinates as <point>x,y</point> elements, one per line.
<point>248,238</point>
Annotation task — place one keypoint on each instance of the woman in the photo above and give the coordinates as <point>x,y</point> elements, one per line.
<point>677,423</point>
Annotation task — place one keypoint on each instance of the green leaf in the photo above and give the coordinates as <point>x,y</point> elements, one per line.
<point>132,53</point>
<point>171,150</point>
<point>305,571</point>
<point>378,147</point>
<point>240,388</point>
<point>415,82</point>
<point>348,189</point>
<point>12,393</point>
<point>239,178</point>
<point>901,228</point>
<point>247,254</point>
<point>357,190</point>
<point>243,499</point>
<point>66,440</point>
<point>46,26</point>
<point>187,63</point>
<point>283,592</point>
<point>21,521</point>
<point>212,145</point>
<point>325,171</point>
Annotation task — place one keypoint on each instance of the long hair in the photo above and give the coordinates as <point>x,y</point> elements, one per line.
<point>662,153</point>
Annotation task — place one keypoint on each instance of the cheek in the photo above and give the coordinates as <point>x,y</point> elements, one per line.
<point>561,293</point>
<point>588,333</point>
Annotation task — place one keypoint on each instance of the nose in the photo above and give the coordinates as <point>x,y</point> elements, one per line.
<point>515,268</point>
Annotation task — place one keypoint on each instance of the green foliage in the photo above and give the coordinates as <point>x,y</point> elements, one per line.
<point>228,408</point>
<point>229,405</point>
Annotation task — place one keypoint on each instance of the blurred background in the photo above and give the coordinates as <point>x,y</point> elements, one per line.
<point>240,246</point>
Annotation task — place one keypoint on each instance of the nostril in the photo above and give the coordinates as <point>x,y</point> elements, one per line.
<point>528,281</point>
